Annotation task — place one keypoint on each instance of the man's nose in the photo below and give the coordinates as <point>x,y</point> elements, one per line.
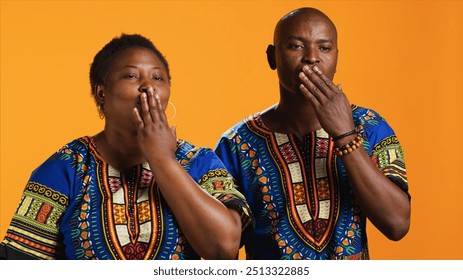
<point>310,56</point>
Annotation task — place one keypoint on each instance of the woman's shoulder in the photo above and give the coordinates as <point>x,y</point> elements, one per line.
<point>75,150</point>
<point>78,145</point>
<point>196,158</point>
<point>188,150</point>
<point>72,158</point>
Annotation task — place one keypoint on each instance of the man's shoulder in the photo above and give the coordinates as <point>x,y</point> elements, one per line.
<point>364,115</point>
<point>240,126</point>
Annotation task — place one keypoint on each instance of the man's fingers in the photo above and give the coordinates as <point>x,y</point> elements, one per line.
<point>309,89</point>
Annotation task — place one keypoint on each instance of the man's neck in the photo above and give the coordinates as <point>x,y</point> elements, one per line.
<point>291,116</point>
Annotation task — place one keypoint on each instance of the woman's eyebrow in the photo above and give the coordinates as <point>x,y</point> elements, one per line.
<point>136,67</point>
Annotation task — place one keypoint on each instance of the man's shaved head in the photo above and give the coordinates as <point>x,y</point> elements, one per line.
<point>300,14</point>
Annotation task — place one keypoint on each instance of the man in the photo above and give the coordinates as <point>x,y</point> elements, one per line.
<point>313,167</point>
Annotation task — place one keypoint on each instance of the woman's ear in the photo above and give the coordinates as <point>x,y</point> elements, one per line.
<point>99,94</point>
<point>271,57</point>
<point>99,97</point>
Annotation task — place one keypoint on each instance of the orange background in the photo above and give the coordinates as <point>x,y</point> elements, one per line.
<point>401,58</point>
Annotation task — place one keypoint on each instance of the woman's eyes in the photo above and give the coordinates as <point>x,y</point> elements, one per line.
<point>131,76</point>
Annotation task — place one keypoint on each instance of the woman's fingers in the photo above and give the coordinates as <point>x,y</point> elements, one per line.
<point>154,112</point>
<point>145,108</point>
<point>161,111</point>
<point>150,111</point>
<point>155,108</point>
<point>173,129</point>
<point>138,120</point>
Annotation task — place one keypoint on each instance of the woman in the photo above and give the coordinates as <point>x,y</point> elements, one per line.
<point>133,191</point>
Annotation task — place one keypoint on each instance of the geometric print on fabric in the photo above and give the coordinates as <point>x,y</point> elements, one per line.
<point>314,222</point>
<point>389,158</point>
<point>250,158</point>
<point>44,205</point>
<point>133,223</point>
<point>104,214</point>
<point>352,238</point>
<point>217,180</point>
<point>296,185</point>
<point>34,225</point>
<point>221,185</point>
<point>288,153</point>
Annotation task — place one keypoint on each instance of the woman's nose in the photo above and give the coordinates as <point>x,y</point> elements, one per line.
<point>146,87</point>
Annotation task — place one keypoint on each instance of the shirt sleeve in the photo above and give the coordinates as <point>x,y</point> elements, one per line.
<point>34,228</point>
<point>386,151</point>
<point>210,173</point>
<point>226,151</point>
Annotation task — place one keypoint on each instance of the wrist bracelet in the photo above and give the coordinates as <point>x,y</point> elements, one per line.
<point>339,137</point>
<point>349,147</point>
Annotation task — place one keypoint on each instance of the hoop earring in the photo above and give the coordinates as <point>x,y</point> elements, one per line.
<point>175,111</point>
<point>101,111</point>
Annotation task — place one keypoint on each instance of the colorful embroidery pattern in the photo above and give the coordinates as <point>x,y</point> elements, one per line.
<point>311,204</point>
<point>221,185</point>
<point>298,189</point>
<point>89,210</point>
<point>34,226</point>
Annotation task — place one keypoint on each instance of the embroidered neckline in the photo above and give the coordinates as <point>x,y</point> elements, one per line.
<point>257,117</point>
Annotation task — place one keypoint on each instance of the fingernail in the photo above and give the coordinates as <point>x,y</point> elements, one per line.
<point>316,69</point>
<point>157,97</point>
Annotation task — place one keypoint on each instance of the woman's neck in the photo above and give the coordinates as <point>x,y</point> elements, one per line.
<point>119,150</point>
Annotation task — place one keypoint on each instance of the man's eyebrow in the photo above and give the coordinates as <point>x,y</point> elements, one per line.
<point>295,38</point>
<point>302,39</point>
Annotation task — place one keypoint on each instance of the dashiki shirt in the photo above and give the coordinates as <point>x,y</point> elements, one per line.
<point>298,191</point>
<point>76,206</point>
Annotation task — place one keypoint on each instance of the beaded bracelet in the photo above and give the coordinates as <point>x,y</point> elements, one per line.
<point>349,147</point>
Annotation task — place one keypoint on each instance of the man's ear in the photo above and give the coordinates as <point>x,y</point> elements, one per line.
<point>271,57</point>
<point>99,94</point>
